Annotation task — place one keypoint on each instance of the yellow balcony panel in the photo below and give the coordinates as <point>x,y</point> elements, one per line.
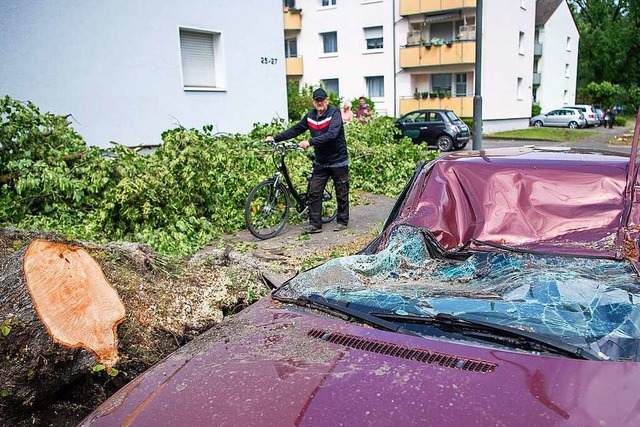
<point>461,105</point>
<point>294,66</point>
<point>420,56</point>
<point>415,7</point>
<point>292,21</point>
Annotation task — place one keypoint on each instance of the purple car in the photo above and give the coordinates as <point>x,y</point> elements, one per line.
<point>502,291</point>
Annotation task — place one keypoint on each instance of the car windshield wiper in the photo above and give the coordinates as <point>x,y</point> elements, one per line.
<point>322,304</point>
<point>481,329</point>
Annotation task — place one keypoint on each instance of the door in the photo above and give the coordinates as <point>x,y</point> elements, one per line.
<point>433,127</point>
<point>411,125</point>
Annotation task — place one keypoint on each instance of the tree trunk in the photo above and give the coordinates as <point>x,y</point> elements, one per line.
<point>58,317</point>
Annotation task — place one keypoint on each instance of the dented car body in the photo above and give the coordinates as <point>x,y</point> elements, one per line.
<point>502,290</point>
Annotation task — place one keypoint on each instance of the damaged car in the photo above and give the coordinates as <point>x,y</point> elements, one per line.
<point>502,290</point>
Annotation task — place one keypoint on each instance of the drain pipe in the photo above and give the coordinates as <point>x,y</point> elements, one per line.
<point>396,101</point>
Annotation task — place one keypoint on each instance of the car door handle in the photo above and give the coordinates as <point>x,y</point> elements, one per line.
<point>423,127</point>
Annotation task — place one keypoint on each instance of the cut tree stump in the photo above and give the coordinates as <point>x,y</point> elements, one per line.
<point>59,315</point>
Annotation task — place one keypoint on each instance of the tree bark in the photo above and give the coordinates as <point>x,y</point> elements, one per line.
<point>53,301</point>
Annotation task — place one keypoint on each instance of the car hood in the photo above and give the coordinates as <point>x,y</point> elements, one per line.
<point>277,364</point>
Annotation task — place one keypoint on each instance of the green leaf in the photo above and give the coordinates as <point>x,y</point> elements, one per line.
<point>5,329</point>
<point>98,368</point>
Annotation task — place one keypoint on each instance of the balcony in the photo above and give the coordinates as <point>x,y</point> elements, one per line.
<point>415,7</point>
<point>462,105</point>
<point>537,49</point>
<point>453,53</point>
<point>292,19</point>
<point>537,78</point>
<point>294,66</point>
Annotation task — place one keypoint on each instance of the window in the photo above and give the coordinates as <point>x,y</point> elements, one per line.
<point>434,117</point>
<point>329,42</point>
<point>523,4</point>
<point>569,44</point>
<point>565,96</point>
<point>442,30</point>
<point>291,48</point>
<point>461,85</point>
<point>325,3</point>
<point>566,70</point>
<point>373,36</point>
<point>289,3</point>
<point>519,88</point>
<point>521,43</point>
<point>375,86</point>
<point>331,85</point>
<point>199,51</point>
<point>441,82</point>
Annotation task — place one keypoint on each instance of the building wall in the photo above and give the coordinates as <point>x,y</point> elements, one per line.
<point>504,61</point>
<point>353,62</point>
<point>116,65</point>
<point>556,55</point>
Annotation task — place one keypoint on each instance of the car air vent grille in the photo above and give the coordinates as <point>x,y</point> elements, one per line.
<point>404,352</point>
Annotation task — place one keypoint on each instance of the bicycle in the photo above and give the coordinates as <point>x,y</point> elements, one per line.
<point>266,210</point>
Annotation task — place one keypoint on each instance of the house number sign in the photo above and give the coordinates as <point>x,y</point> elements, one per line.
<point>268,61</point>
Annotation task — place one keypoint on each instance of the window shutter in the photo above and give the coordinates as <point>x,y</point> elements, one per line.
<point>198,68</point>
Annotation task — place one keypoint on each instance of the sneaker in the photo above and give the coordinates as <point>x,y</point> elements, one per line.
<point>310,229</point>
<point>340,227</point>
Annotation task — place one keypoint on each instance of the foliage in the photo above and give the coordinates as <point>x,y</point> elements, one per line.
<point>354,104</point>
<point>604,94</point>
<point>177,199</point>
<point>535,109</point>
<point>544,134</point>
<point>609,49</point>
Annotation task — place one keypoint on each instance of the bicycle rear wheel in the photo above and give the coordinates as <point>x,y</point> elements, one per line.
<point>329,203</point>
<point>267,209</point>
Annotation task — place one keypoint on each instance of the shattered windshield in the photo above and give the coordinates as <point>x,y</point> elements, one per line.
<point>586,301</point>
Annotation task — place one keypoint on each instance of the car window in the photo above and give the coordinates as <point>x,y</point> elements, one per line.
<point>434,117</point>
<point>412,117</point>
<point>453,117</point>
<point>553,113</point>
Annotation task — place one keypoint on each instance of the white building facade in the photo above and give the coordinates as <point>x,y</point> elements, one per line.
<point>127,71</point>
<point>555,63</point>
<point>428,54</point>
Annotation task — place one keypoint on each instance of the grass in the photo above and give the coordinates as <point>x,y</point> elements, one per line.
<point>543,134</point>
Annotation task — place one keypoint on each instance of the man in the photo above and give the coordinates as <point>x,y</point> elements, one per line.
<point>363,112</point>
<point>324,122</point>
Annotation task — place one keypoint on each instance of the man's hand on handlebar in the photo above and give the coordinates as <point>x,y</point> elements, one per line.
<point>269,139</point>
<point>304,144</point>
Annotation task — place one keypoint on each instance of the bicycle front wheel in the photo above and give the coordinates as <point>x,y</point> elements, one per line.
<point>267,209</point>
<point>329,203</point>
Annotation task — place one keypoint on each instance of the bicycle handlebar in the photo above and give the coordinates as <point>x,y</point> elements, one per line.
<point>284,145</point>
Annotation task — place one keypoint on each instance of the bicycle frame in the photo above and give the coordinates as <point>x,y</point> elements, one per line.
<point>278,157</point>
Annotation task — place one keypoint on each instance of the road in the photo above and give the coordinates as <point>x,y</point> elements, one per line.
<point>596,142</point>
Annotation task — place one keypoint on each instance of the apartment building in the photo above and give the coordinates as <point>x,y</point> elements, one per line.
<point>412,54</point>
<point>127,71</point>
<point>555,61</point>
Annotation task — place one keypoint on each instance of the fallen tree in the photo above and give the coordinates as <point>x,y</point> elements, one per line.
<point>62,303</point>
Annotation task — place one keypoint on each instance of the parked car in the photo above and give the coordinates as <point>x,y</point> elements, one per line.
<point>600,115</point>
<point>562,117</point>
<point>439,128</point>
<point>589,112</point>
<point>502,289</point>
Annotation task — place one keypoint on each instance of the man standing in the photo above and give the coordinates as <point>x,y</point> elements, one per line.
<point>324,122</point>
<point>363,112</point>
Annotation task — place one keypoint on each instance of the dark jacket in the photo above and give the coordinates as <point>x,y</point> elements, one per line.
<point>327,135</point>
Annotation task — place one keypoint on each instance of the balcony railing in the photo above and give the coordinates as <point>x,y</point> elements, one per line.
<point>415,7</point>
<point>292,20</point>
<point>294,66</point>
<point>454,53</point>
<point>461,105</point>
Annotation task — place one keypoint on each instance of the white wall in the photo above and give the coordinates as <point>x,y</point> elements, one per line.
<point>503,63</point>
<point>116,67</point>
<point>555,56</point>
<point>353,62</point>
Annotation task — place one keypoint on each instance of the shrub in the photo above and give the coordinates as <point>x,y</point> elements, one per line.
<point>535,109</point>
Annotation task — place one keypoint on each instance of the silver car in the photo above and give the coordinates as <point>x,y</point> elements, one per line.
<point>562,117</point>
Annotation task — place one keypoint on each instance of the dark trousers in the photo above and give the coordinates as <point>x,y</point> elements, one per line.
<point>319,180</point>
